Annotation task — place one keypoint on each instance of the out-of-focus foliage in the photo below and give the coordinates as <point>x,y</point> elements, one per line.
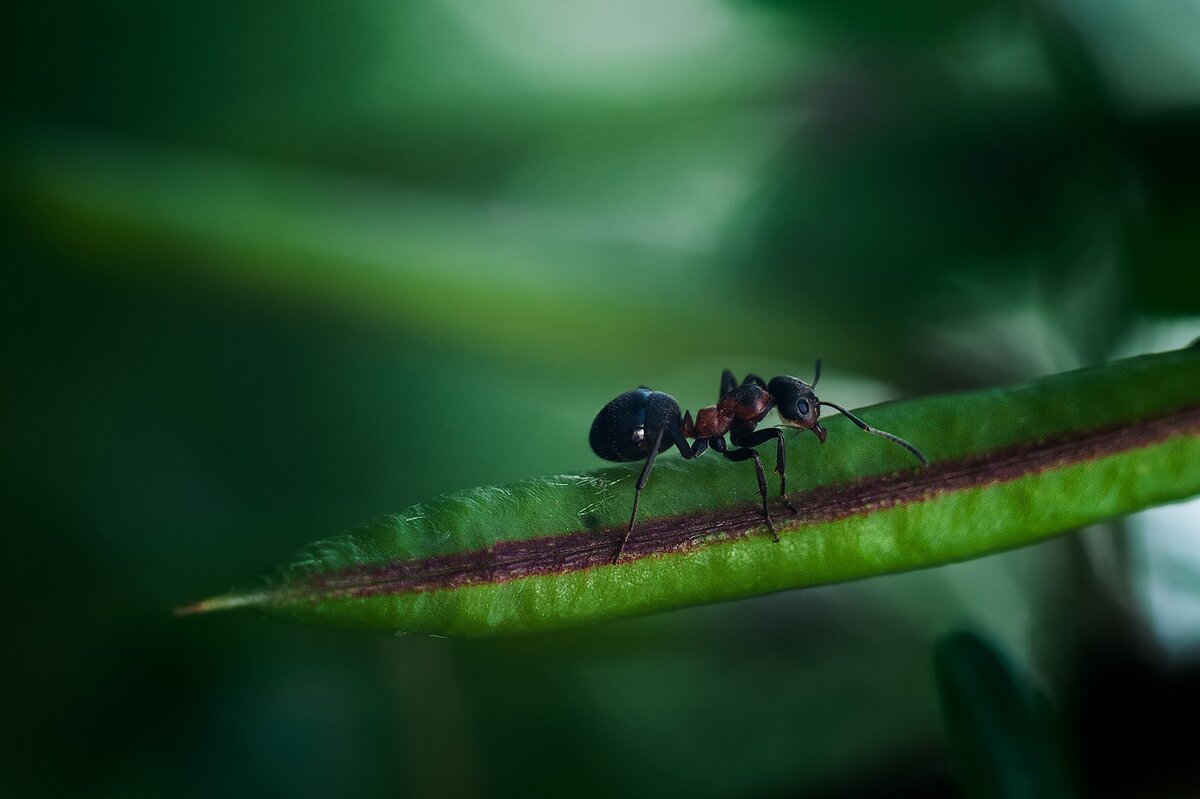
<point>1001,731</point>
<point>271,271</point>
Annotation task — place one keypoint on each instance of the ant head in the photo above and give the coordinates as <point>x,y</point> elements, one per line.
<point>799,407</point>
<point>797,404</point>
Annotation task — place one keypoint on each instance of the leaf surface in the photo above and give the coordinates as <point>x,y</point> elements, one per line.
<point>1009,467</point>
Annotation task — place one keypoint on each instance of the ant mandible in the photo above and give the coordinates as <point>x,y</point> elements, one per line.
<point>642,423</point>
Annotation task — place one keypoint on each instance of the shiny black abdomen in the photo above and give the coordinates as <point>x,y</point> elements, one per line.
<point>614,435</point>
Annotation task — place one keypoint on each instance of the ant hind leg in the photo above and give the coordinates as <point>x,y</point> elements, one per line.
<point>637,494</point>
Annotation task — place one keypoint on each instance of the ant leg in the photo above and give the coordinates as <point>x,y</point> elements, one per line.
<point>728,383</point>
<point>688,451</point>
<point>761,437</point>
<point>718,443</point>
<point>756,380</point>
<point>637,493</point>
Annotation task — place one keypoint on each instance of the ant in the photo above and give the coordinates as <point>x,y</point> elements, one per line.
<point>642,423</point>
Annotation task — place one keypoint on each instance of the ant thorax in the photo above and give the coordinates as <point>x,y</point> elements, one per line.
<point>712,422</point>
<point>747,403</point>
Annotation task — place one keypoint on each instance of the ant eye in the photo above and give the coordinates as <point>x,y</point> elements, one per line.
<point>801,407</point>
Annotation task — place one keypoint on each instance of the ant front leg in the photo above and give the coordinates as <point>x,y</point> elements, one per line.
<point>753,439</point>
<point>718,443</point>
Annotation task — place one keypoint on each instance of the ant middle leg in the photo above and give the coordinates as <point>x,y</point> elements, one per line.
<point>744,454</point>
<point>753,439</point>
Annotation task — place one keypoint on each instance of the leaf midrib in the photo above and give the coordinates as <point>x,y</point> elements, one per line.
<point>556,554</point>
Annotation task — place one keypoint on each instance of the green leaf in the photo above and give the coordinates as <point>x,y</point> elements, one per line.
<point>1009,467</point>
<point>385,253</point>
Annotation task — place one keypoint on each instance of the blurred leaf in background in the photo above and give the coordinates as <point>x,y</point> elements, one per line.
<point>1000,730</point>
<point>272,271</point>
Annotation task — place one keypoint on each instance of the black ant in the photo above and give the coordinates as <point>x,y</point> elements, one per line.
<point>642,423</point>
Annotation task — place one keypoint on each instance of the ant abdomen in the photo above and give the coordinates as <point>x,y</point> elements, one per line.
<point>627,427</point>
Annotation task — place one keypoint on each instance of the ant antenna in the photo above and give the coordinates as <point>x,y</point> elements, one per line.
<point>817,377</point>
<point>868,429</point>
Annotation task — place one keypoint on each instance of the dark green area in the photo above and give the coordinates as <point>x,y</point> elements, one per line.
<point>1001,730</point>
<point>272,272</point>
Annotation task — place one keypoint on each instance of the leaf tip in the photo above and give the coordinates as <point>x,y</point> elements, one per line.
<point>223,602</point>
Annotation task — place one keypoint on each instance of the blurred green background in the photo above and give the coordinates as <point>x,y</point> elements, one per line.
<point>276,268</point>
